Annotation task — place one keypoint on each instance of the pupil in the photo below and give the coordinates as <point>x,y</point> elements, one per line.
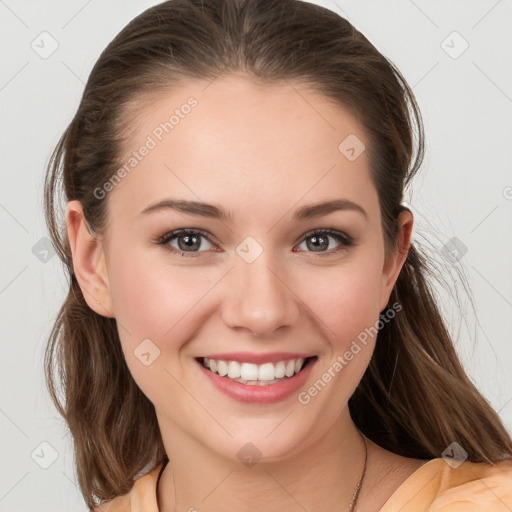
<point>318,241</point>
<point>190,241</point>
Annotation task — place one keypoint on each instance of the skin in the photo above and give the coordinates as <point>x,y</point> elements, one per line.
<point>259,152</point>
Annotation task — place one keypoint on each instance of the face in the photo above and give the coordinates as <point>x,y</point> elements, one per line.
<point>259,277</point>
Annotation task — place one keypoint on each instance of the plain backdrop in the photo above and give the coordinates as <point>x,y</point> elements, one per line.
<point>457,57</point>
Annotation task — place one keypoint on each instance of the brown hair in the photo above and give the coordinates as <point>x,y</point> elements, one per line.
<point>415,398</point>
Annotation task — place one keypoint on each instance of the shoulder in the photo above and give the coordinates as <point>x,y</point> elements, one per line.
<point>470,487</point>
<point>141,497</point>
<point>475,486</point>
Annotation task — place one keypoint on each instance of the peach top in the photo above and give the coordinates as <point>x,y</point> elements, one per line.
<point>434,487</point>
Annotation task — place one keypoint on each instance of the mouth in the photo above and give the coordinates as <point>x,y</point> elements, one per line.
<point>251,374</point>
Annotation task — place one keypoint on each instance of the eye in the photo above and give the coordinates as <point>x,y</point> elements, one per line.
<point>189,242</point>
<point>317,241</point>
<point>186,241</point>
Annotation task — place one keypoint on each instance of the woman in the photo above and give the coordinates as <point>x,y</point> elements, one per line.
<point>248,325</point>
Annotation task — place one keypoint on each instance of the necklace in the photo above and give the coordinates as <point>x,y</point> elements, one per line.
<point>353,503</point>
<point>355,497</point>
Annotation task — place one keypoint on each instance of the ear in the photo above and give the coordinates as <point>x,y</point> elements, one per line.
<point>88,261</point>
<point>395,260</point>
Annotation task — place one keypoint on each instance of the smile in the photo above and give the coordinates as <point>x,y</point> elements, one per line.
<point>252,374</point>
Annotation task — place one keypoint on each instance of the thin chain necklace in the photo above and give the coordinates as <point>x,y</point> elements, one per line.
<point>355,497</point>
<point>353,503</point>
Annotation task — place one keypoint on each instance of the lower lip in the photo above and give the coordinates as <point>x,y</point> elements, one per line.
<point>269,394</point>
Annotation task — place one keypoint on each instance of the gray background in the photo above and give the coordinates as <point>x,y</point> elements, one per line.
<point>464,191</point>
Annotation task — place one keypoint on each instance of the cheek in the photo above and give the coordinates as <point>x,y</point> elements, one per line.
<point>347,301</point>
<point>346,298</point>
<point>156,303</point>
<point>151,300</point>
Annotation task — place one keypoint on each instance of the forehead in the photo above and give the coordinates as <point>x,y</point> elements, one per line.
<point>236,140</point>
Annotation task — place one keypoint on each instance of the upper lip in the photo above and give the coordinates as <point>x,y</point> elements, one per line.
<point>258,358</point>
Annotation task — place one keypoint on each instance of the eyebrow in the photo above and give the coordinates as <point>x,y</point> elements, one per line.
<point>215,212</point>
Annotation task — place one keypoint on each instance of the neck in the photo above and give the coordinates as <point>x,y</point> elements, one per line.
<point>321,476</point>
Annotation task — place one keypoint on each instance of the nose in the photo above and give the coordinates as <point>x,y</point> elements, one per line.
<point>258,298</point>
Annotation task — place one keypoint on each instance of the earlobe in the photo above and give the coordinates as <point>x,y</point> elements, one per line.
<point>394,262</point>
<point>88,261</point>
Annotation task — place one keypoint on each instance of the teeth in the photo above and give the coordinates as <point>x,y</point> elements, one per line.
<point>253,374</point>
<point>234,370</point>
<point>290,368</point>
<point>222,367</point>
<point>280,370</point>
<point>266,372</point>
<point>248,371</point>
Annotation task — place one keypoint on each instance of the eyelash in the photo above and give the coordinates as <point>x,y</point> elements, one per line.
<point>344,240</point>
